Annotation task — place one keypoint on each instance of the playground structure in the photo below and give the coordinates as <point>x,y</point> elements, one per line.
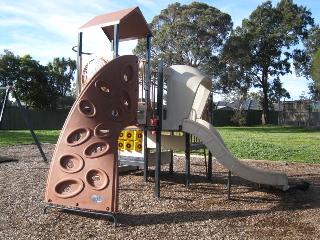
<point>117,120</point>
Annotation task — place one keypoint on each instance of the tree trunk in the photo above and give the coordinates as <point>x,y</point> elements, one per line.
<point>265,103</point>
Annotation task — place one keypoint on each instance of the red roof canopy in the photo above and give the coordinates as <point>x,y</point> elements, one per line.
<point>132,24</point>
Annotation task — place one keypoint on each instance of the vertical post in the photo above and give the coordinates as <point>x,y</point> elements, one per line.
<point>116,41</point>
<point>79,64</point>
<point>209,174</point>
<point>159,128</point>
<point>187,159</point>
<point>229,185</point>
<point>171,156</point>
<point>4,105</point>
<point>147,99</point>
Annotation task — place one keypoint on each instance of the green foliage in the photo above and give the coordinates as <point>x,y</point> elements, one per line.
<point>31,85</point>
<point>239,117</point>
<point>188,34</point>
<point>40,87</point>
<point>315,69</point>
<point>260,51</point>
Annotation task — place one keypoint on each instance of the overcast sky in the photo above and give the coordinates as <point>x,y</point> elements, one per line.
<point>47,29</point>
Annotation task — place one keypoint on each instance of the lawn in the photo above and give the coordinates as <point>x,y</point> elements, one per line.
<point>292,144</point>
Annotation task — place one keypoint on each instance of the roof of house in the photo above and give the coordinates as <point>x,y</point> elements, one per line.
<point>244,105</point>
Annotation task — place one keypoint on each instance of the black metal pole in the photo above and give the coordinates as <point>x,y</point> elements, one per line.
<point>29,126</point>
<point>209,174</point>
<point>79,64</point>
<point>4,105</point>
<point>116,41</point>
<point>187,159</point>
<point>229,185</point>
<point>147,96</point>
<point>159,128</point>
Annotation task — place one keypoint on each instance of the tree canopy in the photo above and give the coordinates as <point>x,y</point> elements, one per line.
<point>261,50</point>
<point>188,34</point>
<point>37,85</point>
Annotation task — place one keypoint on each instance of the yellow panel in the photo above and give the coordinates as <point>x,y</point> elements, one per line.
<point>129,135</point>
<point>138,146</point>
<point>122,134</point>
<point>138,135</point>
<point>128,145</point>
<point>120,144</point>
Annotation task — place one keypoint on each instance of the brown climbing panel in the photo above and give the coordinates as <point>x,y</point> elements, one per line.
<point>84,168</point>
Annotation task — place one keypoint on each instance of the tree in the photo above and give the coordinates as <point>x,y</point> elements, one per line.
<point>266,41</point>
<point>188,34</point>
<point>9,65</point>
<point>8,71</point>
<point>32,85</point>
<point>315,74</point>
<point>61,74</point>
<point>63,71</point>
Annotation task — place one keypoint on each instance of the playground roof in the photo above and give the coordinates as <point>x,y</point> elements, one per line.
<point>132,24</point>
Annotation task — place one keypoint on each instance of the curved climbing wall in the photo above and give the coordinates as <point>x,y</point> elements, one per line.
<point>84,168</point>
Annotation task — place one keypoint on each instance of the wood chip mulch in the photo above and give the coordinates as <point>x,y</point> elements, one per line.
<point>201,211</point>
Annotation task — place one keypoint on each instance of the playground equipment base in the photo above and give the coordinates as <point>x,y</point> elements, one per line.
<point>104,214</point>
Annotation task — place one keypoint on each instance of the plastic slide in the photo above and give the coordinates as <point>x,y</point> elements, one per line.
<point>214,142</point>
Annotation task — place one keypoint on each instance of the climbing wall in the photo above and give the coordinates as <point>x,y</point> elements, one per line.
<point>84,168</point>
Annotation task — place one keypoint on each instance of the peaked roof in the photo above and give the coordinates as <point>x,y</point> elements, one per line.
<point>246,105</point>
<point>132,24</point>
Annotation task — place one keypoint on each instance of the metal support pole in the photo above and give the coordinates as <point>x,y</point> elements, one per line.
<point>29,125</point>
<point>82,211</point>
<point>79,64</point>
<point>159,128</point>
<point>187,159</point>
<point>4,104</point>
<point>116,41</point>
<point>209,173</point>
<point>229,185</point>
<point>147,99</point>
<point>171,156</point>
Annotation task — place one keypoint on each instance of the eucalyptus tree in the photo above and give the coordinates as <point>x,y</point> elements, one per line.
<point>262,50</point>
<point>190,34</point>
<point>8,71</point>
<point>60,77</point>
<point>31,85</point>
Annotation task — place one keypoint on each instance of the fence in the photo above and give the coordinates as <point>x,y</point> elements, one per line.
<point>292,115</point>
<point>300,113</point>
<point>253,118</point>
<point>39,119</point>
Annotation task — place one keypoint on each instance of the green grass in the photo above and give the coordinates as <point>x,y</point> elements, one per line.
<point>16,137</point>
<point>291,144</point>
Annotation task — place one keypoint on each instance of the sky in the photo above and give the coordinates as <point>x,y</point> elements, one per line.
<point>48,29</point>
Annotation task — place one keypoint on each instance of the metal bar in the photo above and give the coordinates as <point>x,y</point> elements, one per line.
<point>187,152</point>
<point>159,128</point>
<point>4,103</point>
<point>81,211</point>
<point>116,41</point>
<point>209,173</point>
<point>147,99</point>
<point>229,185</point>
<point>29,126</point>
<point>171,155</point>
<point>79,64</point>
